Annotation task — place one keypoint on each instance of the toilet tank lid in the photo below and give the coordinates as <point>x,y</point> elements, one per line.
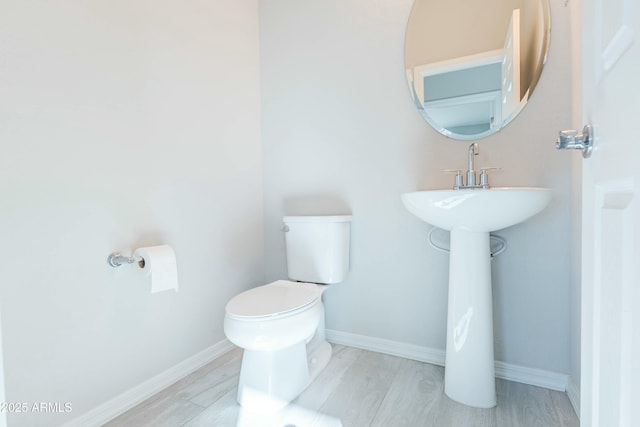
<point>317,218</point>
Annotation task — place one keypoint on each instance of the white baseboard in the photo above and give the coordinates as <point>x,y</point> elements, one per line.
<point>394,348</point>
<point>506,371</point>
<point>573,391</point>
<point>138,394</point>
<point>532,376</point>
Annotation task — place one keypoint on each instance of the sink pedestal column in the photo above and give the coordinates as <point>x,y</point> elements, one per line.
<point>469,367</point>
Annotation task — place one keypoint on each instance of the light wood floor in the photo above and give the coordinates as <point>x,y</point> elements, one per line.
<point>358,388</point>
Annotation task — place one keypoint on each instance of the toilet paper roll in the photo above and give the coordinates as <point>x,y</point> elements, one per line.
<point>160,265</point>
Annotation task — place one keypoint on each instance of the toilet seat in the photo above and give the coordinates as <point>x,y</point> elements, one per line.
<point>276,299</point>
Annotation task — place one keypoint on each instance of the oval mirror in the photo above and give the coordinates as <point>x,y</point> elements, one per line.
<point>471,66</point>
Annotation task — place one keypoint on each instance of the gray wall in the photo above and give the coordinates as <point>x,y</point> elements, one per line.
<point>341,135</point>
<point>122,124</point>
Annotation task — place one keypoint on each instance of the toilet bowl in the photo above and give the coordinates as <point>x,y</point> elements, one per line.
<point>280,326</point>
<point>283,349</point>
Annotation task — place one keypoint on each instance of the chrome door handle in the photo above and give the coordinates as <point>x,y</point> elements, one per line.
<point>572,140</point>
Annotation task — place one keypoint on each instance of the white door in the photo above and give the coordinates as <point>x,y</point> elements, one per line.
<point>610,383</point>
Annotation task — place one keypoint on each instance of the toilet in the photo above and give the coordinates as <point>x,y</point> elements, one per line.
<point>280,326</point>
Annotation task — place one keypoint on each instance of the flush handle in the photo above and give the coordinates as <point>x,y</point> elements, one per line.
<point>573,140</point>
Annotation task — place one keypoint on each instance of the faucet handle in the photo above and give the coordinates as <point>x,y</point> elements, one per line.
<point>484,178</point>
<point>458,177</point>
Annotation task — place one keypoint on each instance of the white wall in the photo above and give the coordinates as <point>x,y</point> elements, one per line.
<point>340,135</point>
<point>122,124</point>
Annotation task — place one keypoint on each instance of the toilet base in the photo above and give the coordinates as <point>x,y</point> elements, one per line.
<point>270,380</point>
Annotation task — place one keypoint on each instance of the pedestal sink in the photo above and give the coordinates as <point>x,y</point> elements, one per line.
<point>470,215</point>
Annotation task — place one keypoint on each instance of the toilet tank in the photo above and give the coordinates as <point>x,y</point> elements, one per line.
<point>317,248</point>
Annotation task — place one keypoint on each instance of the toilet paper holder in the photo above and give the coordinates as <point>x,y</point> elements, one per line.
<point>116,259</point>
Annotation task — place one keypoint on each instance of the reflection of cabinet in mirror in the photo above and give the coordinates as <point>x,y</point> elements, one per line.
<point>474,94</point>
<point>461,96</point>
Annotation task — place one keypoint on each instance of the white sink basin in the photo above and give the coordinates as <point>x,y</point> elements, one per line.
<point>470,215</point>
<point>477,209</point>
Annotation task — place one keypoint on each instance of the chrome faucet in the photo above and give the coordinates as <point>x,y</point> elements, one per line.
<point>472,181</point>
<point>471,173</point>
